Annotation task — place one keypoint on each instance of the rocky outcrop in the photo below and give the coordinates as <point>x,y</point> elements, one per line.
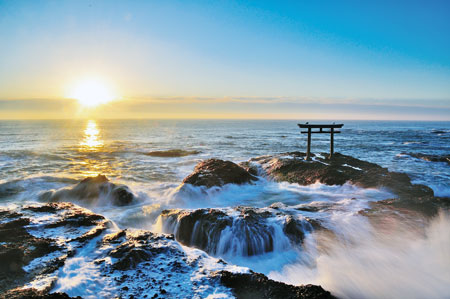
<point>25,241</point>
<point>37,241</point>
<point>172,153</point>
<point>239,231</point>
<point>90,190</point>
<point>216,172</point>
<point>32,293</point>
<point>430,158</point>
<point>340,169</point>
<point>254,285</point>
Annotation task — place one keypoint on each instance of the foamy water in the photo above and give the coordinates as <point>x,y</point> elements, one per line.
<point>353,257</point>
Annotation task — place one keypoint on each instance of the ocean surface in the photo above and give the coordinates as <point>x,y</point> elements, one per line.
<point>38,156</point>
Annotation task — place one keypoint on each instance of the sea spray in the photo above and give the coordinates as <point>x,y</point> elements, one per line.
<point>370,263</point>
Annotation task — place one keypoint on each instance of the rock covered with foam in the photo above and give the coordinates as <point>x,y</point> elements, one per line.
<point>238,231</point>
<point>341,169</point>
<point>91,190</point>
<point>59,250</point>
<point>35,242</point>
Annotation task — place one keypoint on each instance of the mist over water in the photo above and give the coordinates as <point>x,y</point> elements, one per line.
<point>405,262</point>
<point>392,255</point>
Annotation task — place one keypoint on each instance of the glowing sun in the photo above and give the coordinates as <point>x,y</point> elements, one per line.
<point>91,92</point>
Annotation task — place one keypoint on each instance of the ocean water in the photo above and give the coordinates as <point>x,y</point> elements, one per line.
<point>361,260</point>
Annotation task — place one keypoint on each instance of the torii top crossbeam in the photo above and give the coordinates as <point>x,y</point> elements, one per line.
<point>321,131</point>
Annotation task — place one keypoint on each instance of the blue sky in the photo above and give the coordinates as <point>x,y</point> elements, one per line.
<point>313,53</point>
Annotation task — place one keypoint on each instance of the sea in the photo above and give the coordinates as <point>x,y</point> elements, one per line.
<point>410,260</point>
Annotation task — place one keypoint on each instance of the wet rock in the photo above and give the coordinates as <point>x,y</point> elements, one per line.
<point>172,153</point>
<point>296,230</point>
<point>35,247</point>
<point>340,169</point>
<point>90,190</point>
<point>240,231</point>
<point>32,293</point>
<point>11,259</point>
<point>430,158</point>
<point>249,167</point>
<point>215,172</point>
<point>255,285</point>
<point>24,239</point>
<point>136,248</point>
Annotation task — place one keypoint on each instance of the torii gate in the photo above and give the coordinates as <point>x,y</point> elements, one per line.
<point>321,127</point>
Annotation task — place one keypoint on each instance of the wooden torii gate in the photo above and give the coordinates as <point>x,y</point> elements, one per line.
<point>320,127</point>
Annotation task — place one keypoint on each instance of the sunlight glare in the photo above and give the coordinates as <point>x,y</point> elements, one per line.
<point>91,136</point>
<point>91,92</point>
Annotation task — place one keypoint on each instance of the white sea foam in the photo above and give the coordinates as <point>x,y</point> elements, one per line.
<point>373,264</point>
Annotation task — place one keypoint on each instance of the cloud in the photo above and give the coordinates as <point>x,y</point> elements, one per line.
<point>232,107</point>
<point>297,100</point>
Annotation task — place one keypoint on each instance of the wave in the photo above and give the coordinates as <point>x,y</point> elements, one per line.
<point>396,263</point>
<point>92,190</point>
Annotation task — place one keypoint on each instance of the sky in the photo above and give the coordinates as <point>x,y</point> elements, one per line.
<point>227,59</point>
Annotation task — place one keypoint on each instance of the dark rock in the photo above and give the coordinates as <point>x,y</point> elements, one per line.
<point>215,172</point>
<point>339,170</point>
<point>172,153</point>
<point>203,228</point>
<point>249,167</point>
<point>430,158</point>
<point>208,223</point>
<point>255,285</point>
<point>90,190</point>
<point>122,196</point>
<point>19,247</point>
<point>32,293</point>
<point>77,220</point>
<point>11,259</point>
<point>135,249</point>
<point>295,229</point>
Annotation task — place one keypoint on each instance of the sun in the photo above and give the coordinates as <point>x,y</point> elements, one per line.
<point>91,92</point>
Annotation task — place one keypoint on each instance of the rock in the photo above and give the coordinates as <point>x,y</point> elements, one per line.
<point>38,240</point>
<point>23,240</point>
<point>89,190</point>
<point>255,285</point>
<point>249,167</point>
<point>172,153</point>
<point>215,172</point>
<point>31,293</point>
<point>430,158</point>
<point>340,169</point>
<point>240,231</point>
<point>11,260</point>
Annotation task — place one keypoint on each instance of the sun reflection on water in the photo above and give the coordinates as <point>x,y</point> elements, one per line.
<point>92,160</point>
<point>91,139</point>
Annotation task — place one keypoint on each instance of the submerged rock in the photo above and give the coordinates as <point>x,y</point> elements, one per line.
<point>430,158</point>
<point>255,285</point>
<point>216,172</point>
<point>239,231</point>
<point>90,190</point>
<point>172,153</point>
